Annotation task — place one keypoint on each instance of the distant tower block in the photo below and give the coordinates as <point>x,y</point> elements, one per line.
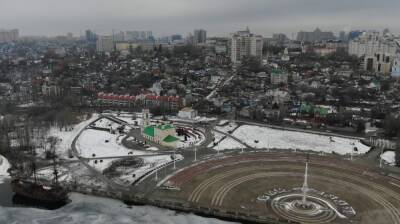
<point>146,117</point>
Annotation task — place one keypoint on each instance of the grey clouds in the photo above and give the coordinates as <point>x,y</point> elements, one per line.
<point>218,17</point>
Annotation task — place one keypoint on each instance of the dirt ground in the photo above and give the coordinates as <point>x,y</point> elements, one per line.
<point>236,186</point>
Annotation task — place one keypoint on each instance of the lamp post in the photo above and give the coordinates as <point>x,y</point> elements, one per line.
<point>304,188</point>
<point>195,153</point>
<point>174,158</point>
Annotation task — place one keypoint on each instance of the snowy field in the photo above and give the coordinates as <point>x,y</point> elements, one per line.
<point>105,144</point>
<point>281,139</point>
<point>94,210</point>
<point>102,144</point>
<point>66,137</point>
<point>4,166</point>
<point>218,138</point>
<point>389,157</point>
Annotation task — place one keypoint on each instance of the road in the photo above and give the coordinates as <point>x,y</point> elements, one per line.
<point>111,184</point>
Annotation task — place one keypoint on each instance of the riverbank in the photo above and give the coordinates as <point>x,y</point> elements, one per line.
<point>90,210</point>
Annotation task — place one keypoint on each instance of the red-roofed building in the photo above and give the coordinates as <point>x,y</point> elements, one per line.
<point>146,100</point>
<point>113,99</point>
<point>168,102</point>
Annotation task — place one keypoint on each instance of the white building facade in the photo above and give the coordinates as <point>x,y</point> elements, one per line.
<point>105,44</point>
<point>9,35</point>
<point>396,66</point>
<point>377,50</point>
<point>245,44</point>
<point>187,113</point>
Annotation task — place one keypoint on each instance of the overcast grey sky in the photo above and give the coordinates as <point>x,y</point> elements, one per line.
<point>218,17</point>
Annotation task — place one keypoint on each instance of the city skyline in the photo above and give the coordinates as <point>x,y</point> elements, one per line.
<point>221,18</point>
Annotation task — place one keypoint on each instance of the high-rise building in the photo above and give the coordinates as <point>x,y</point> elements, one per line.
<point>9,35</point>
<point>343,36</point>
<point>354,34</point>
<point>149,35</point>
<point>132,35</point>
<point>314,36</point>
<point>176,37</point>
<point>245,44</point>
<point>199,36</point>
<point>396,66</point>
<point>278,39</point>
<point>90,36</point>
<point>119,37</point>
<point>371,43</point>
<point>378,51</point>
<point>105,44</point>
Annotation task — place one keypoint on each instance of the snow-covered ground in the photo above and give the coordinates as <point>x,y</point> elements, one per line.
<point>389,157</point>
<point>195,138</point>
<point>194,120</point>
<point>95,210</point>
<point>4,166</point>
<point>130,175</point>
<point>228,143</point>
<point>105,123</point>
<point>228,127</point>
<point>281,139</point>
<point>223,122</point>
<point>66,137</point>
<point>74,173</point>
<point>47,173</point>
<point>128,117</point>
<point>102,144</point>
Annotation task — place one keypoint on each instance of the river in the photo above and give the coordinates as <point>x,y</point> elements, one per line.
<point>6,194</point>
<point>85,209</point>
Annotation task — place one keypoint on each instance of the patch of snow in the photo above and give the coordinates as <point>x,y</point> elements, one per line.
<point>389,157</point>
<point>282,139</point>
<point>194,120</point>
<point>194,138</point>
<point>26,105</point>
<point>150,165</point>
<point>227,128</point>
<point>4,166</point>
<point>223,122</point>
<point>105,123</point>
<point>152,149</point>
